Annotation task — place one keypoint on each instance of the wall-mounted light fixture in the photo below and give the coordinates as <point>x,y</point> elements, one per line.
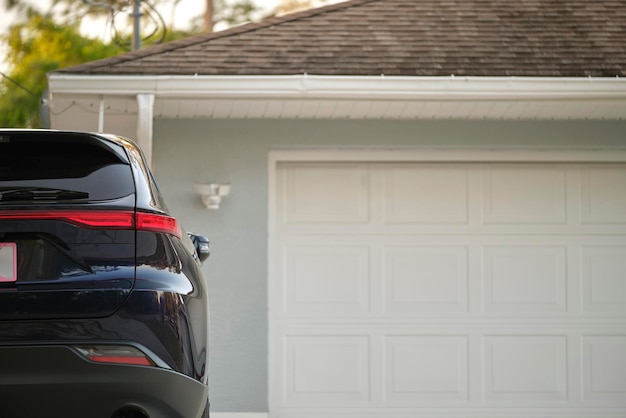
<point>211,193</point>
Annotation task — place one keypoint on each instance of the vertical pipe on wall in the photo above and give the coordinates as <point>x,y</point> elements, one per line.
<point>145,105</point>
<point>101,115</point>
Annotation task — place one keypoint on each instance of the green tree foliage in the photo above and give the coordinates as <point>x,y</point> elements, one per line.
<point>35,47</point>
<point>234,13</point>
<point>42,42</point>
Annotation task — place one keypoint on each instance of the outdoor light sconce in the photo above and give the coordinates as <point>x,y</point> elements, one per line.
<point>211,193</point>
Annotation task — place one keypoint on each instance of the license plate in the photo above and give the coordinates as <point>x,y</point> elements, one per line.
<point>8,262</point>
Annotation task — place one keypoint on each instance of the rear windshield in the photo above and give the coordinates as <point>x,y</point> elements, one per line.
<point>72,168</point>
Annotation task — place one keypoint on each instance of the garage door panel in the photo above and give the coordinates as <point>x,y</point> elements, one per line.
<point>326,279</point>
<point>604,368</point>
<point>425,194</point>
<point>531,368</point>
<point>466,366</point>
<point>604,279</point>
<point>525,278</point>
<point>426,279</point>
<point>426,368</point>
<point>603,197</point>
<point>333,369</point>
<point>517,275</point>
<point>326,194</point>
<point>525,194</point>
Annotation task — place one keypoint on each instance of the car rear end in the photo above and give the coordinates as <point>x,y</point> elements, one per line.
<point>103,308</point>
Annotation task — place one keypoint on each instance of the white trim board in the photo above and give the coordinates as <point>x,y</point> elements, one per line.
<point>528,155</point>
<point>239,415</point>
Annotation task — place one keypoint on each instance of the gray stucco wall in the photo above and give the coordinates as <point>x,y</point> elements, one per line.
<point>236,151</point>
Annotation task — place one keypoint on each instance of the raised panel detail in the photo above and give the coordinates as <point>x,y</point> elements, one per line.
<point>330,369</point>
<point>426,368</point>
<point>328,279</point>
<point>425,194</point>
<point>528,368</point>
<point>426,279</point>
<point>524,279</point>
<point>604,195</point>
<point>327,194</point>
<point>604,279</point>
<point>604,368</point>
<point>523,195</point>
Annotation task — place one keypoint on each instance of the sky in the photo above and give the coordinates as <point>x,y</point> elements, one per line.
<point>185,10</point>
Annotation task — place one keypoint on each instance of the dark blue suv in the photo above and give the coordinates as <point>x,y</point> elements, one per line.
<point>103,307</point>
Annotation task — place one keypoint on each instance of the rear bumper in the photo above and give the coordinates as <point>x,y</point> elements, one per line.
<point>55,380</point>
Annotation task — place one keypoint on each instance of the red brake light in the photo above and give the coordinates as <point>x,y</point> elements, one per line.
<point>100,219</point>
<point>158,223</point>
<point>96,219</point>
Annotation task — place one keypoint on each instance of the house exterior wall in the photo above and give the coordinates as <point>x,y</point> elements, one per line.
<point>236,151</point>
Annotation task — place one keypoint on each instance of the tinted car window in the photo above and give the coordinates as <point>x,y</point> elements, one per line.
<point>68,168</point>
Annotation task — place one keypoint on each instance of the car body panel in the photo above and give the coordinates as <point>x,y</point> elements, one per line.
<point>32,384</point>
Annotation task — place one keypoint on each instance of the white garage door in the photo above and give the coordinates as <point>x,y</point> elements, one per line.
<point>448,290</point>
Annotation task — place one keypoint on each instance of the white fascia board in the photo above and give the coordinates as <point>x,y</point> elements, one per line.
<point>342,87</point>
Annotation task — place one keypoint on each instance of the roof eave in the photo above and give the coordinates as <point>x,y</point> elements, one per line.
<point>454,97</point>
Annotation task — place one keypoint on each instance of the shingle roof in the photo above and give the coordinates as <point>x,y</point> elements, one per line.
<point>534,38</point>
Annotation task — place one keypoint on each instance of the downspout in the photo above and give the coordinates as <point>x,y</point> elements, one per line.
<point>145,111</point>
<point>101,115</point>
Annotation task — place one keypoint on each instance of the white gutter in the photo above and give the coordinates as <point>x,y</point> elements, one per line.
<point>344,87</point>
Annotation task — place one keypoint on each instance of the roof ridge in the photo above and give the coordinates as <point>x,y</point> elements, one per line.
<point>232,31</point>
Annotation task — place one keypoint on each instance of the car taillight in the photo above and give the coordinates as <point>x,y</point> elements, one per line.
<point>115,354</point>
<point>157,223</point>
<point>87,219</point>
<point>100,219</point>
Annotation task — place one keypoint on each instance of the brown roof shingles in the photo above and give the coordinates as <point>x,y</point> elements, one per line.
<point>551,38</point>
